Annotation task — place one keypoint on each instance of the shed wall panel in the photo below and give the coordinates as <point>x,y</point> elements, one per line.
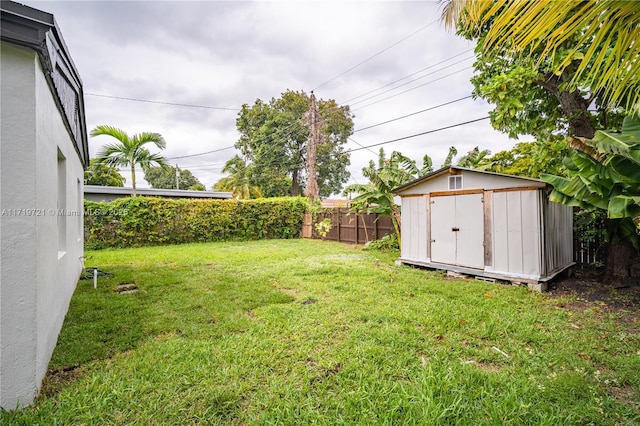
<point>558,236</point>
<point>414,228</point>
<point>514,231</point>
<point>531,260</point>
<point>500,234</point>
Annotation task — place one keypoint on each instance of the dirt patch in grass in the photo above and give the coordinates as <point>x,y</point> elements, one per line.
<point>585,291</point>
<point>58,379</point>
<point>488,368</point>
<point>625,394</point>
<point>291,292</point>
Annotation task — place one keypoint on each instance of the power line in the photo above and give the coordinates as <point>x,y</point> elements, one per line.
<point>409,82</point>
<point>228,147</point>
<point>161,102</point>
<point>411,75</point>
<point>202,153</point>
<point>418,134</point>
<point>413,88</point>
<point>412,114</point>
<point>373,56</point>
<point>364,147</point>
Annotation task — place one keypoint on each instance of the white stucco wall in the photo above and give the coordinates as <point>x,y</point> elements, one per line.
<point>37,274</point>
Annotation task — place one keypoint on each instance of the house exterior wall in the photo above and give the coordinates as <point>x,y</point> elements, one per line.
<point>40,247</point>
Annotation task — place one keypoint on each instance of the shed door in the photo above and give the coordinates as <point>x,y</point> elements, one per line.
<point>457,229</point>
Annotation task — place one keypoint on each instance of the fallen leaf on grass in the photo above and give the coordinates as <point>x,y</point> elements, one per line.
<point>584,355</point>
<point>463,321</point>
<point>440,337</point>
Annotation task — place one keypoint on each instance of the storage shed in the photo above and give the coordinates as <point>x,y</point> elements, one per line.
<point>486,225</point>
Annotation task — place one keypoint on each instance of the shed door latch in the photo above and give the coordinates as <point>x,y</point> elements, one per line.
<point>455,229</point>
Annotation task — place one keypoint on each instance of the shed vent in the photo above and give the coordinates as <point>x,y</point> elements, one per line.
<point>455,182</point>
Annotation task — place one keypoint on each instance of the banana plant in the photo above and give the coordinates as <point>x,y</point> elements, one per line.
<point>605,175</point>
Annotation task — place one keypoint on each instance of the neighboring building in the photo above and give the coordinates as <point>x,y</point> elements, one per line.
<point>487,225</point>
<point>110,193</point>
<point>43,153</point>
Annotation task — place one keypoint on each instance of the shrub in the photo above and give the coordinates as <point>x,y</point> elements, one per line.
<point>145,221</point>
<point>386,243</point>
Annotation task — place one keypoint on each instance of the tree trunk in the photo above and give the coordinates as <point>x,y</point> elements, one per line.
<point>133,178</point>
<point>619,259</point>
<point>295,185</point>
<point>573,104</point>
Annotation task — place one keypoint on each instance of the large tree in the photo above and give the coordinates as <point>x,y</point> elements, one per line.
<point>537,90</point>
<point>586,44</point>
<point>130,150</point>
<point>273,137</point>
<point>165,178</point>
<point>102,175</point>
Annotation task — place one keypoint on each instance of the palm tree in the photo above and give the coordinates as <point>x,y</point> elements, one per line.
<point>238,180</point>
<point>130,150</point>
<point>607,49</point>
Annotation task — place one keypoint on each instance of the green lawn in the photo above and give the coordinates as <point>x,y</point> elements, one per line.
<point>311,332</point>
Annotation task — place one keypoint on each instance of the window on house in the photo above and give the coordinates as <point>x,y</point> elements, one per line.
<point>62,203</point>
<point>455,182</point>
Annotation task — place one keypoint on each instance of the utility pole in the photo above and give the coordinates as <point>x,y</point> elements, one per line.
<point>177,177</point>
<point>311,190</point>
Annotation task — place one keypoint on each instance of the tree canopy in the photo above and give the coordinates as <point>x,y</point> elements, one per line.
<point>529,159</point>
<point>536,90</point>
<point>102,175</point>
<point>273,138</point>
<point>165,178</point>
<point>591,45</point>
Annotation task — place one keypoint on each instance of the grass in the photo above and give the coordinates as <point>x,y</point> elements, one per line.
<point>309,332</point>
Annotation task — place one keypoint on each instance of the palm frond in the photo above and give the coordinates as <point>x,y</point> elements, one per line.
<point>114,132</point>
<point>144,138</point>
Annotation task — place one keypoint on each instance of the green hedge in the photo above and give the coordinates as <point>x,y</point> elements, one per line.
<point>145,221</point>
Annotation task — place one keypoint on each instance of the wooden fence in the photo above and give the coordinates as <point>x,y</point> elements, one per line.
<point>349,226</point>
<point>588,253</point>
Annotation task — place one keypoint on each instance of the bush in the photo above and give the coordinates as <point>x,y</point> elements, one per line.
<point>386,243</point>
<point>145,221</point>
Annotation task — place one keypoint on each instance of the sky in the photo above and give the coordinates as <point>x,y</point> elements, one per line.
<point>383,59</point>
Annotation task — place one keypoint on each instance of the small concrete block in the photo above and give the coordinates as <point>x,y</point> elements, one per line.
<point>539,287</point>
<point>454,274</point>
